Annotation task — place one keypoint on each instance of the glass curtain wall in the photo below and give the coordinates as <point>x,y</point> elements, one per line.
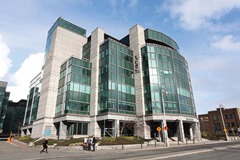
<point>4,96</point>
<point>74,94</point>
<point>77,129</point>
<point>116,78</point>
<point>165,70</point>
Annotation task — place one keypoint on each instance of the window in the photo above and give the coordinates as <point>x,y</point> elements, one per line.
<point>215,117</point>
<point>78,129</point>
<point>217,127</point>
<point>231,116</point>
<point>233,124</point>
<point>226,116</point>
<point>228,124</point>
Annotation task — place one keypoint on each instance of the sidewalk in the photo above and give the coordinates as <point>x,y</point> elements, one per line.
<point>10,151</point>
<point>146,145</point>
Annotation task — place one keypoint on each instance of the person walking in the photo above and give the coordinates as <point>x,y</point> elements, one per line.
<point>94,143</point>
<point>89,142</point>
<point>45,145</point>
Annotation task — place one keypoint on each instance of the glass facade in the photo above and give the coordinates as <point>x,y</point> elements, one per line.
<point>14,117</point>
<point>165,71</point>
<point>151,35</point>
<point>116,78</point>
<point>32,105</point>
<point>74,87</point>
<point>77,129</point>
<point>86,50</point>
<point>4,96</point>
<point>33,100</point>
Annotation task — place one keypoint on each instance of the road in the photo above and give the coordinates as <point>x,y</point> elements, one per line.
<point>213,151</point>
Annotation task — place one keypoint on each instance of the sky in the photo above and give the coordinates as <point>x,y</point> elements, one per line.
<point>207,33</point>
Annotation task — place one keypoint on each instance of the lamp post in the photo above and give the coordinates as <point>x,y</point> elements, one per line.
<point>225,130</point>
<point>164,115</point>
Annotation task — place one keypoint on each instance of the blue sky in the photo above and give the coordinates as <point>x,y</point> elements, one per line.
<point>207,33</point>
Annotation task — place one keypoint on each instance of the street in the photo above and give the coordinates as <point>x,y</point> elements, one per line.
<point>215,151</point>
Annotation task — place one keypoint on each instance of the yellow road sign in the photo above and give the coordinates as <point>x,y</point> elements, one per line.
<point>159,129</point>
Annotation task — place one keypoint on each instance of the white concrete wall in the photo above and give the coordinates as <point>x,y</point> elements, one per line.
<point>65,44</point>
<point>97,37</point>
<point>137,40</point>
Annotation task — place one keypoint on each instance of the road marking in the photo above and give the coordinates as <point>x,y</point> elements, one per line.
<point>182,154</point>
<point>164,156</point>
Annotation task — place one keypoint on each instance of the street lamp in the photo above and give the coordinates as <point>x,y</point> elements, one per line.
<point>164,92</point>
<point>225,130</point>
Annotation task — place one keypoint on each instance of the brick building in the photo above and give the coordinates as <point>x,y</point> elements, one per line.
<point>213,123</point>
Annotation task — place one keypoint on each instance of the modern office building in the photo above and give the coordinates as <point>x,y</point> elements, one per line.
<point>4,96</point>
<point>216,123</point>
<point>32,104</point>
<point>14,117</point>
<point>102,86</point>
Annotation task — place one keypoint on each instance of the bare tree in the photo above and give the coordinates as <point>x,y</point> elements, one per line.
<point>132,125</point>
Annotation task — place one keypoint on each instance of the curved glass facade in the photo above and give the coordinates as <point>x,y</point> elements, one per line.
<point>166,80</point>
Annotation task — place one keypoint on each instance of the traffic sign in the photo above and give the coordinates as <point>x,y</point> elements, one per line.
<point>159,129</point>
<point>166,128</point>
<point>225,129</point>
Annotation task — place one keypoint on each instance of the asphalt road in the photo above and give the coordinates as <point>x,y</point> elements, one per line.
<point>213,151</point>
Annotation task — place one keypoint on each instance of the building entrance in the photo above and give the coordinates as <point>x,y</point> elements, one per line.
<point>153,128</point>
<point>186,127</point>
<point>172,129</point>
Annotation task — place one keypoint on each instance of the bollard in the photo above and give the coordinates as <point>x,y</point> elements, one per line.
<point>141,145</point>
<point>122,147</point>
<point>186,141</point>
<point>8,140</point>
<point>166,141</point>
<point>178,140</point>
<point>155,143</point>
<point>193,140</point>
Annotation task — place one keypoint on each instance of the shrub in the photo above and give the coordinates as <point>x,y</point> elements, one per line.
<point>62,142</point>
<point>120,140</point>
<point>25,139</point>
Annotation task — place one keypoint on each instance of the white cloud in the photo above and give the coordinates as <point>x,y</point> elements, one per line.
<point>22,77</point>
<point>194,14</point>
<point>119,5</point>
<point>215,81</point>
<point>132,3</point>
<point>113,3</point>
<point>226,43</point>
<point>5,61</point>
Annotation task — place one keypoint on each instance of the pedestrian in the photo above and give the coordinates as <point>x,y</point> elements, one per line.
<point>45,145</point>
<point>94,143</point>
<point>89,142</point>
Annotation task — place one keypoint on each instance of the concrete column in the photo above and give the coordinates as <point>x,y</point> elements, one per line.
<point>93,128</point>
<point>164,132</point>
<point>54,131</point>
<point>62,131</point>
<point>22,133</point>
<point>191,132</point>
<point>147,130</point>
<point>196,132</point>
<point>96,40</point>
<point>181,131</point>
<point>28,132</point>
<point>142,129</point>
<point>115,127</point>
